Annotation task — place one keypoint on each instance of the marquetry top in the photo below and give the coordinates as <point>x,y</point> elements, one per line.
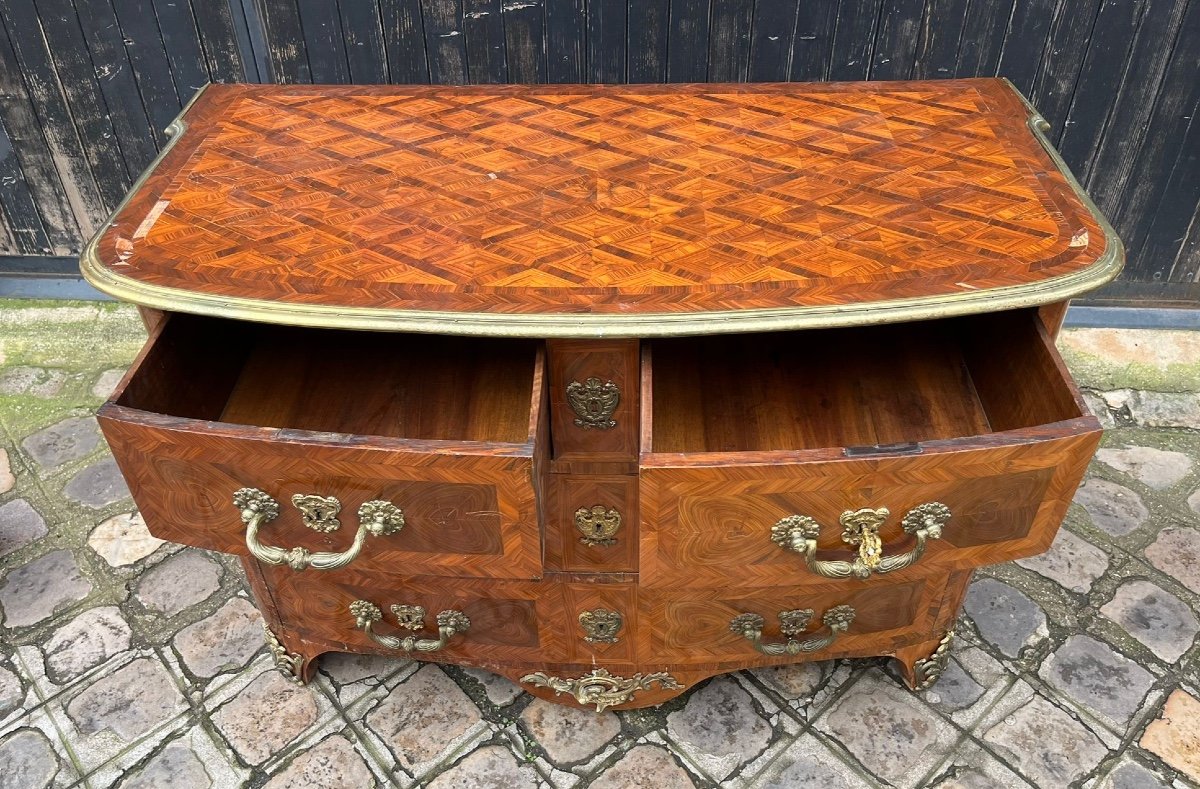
<point>574,210</point>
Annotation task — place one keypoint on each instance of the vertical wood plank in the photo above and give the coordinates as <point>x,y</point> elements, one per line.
<point>941,33</point>
<point>895,49</point>
<point>1025,42</point>
<point>1070,34</point>
<point>123,102</point>
<point>64,220</point>
<point>1111,166</point>
<point>404,39</point>
<point>1101,70</point>
<point>214,20</point>
<point>366,54</point>
<point>1186,267</point>
<point>687,41</point>
<point>324,43</point>
<point>82,120</point>
<point>772,31</point>
<point>853,39</point>
<point>606,20</point>
<point>812,46</point>
<point>181,42</point>
<point>648,40</point>
<point>729,40</point>
<point>23,228</point>
<point>565,34</point>
<point>285,41</point>
<point>982,40</point>
<point>483,34</point>
<point>444,41</point>
<point>525,41</point>
<point>151,68</point>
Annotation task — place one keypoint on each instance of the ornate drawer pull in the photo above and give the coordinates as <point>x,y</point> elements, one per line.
<point>861,527</point>
<point>319,513</point>
<point>409,617</point>
<point>792,623</point>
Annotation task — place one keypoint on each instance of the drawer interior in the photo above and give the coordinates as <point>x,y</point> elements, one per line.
<point>394,385</point>
<point>859,387</point>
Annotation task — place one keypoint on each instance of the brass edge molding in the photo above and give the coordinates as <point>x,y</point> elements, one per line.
<point>290,664</point>
<point>600,688</point>
<point>927,671</point>
<point>565,325</point>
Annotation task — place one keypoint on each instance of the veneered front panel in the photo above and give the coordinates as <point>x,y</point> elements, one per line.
<point>566,546</point>
<point>1006,496</point>
<point>607,362</point>
<point>465,514</point>
<point>692,627</point>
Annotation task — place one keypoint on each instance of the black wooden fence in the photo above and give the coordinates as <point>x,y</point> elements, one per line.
<point>87,86</point>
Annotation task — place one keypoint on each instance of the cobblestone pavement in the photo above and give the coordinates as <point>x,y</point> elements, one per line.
<point>126,661</point>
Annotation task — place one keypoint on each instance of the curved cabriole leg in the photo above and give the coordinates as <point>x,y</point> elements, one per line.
<point>299,667</point>
<point>922,664</point>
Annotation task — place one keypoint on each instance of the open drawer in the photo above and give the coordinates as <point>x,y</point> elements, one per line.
<point>795,458</point>
<point>391,453</point>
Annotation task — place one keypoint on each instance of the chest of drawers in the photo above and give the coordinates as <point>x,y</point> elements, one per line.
<point>605,389</point>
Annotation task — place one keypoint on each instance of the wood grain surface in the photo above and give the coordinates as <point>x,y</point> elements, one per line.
<point>602,200</point>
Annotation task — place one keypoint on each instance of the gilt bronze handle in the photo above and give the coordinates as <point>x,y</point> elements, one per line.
<point>409,617</point>
<point>379,518</point>
<point>793,623</point>
<point>860,528</point>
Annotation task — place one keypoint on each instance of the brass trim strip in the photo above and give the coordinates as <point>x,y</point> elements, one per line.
<point>556,325</point>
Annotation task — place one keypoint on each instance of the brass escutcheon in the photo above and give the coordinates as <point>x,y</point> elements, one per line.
<point>594,402</point>
<point>598,524</point>
<point>319,513</point>
<point>600,625</point>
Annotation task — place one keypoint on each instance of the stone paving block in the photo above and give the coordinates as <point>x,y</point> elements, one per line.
<point>566,734</point>
<point>1175,735</point>
<point>1112,508</point>
<point>1106,683</point>
<point>63,442</point>
<point>492,767</point>
<point>1176,552</point>
<point>719,727</point>
<point>20,524</point>
<point>1072,562</point>
<point>971,767</point>
<point>223,641</point>
<point>808,763</point>
<point>107,382</point>
<point>128,702</point>
<point>35,591</point>
<point>1193,501</point>
<point>30,761</point>
<point>85,642</point>
<point>501,691</point>
<point>795,681</point>
<point>265,716</point>
<point>1154,616</point>
<point>888,730</point>
<point>332,763</point>
<point>98,485</point>
<point>7,478</point>
<point>1166,409</point>
<point>1005,617</point>
<point>33,381</point>
<point>1041,740</point>
<point>644,767</point>
<point>175,766</point>
<point>424,717</point>
<point>1131,775</point>
<point>1155,468</point>
<point>178,582</point>
<point>12,692</point>
<point>123,539</point>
